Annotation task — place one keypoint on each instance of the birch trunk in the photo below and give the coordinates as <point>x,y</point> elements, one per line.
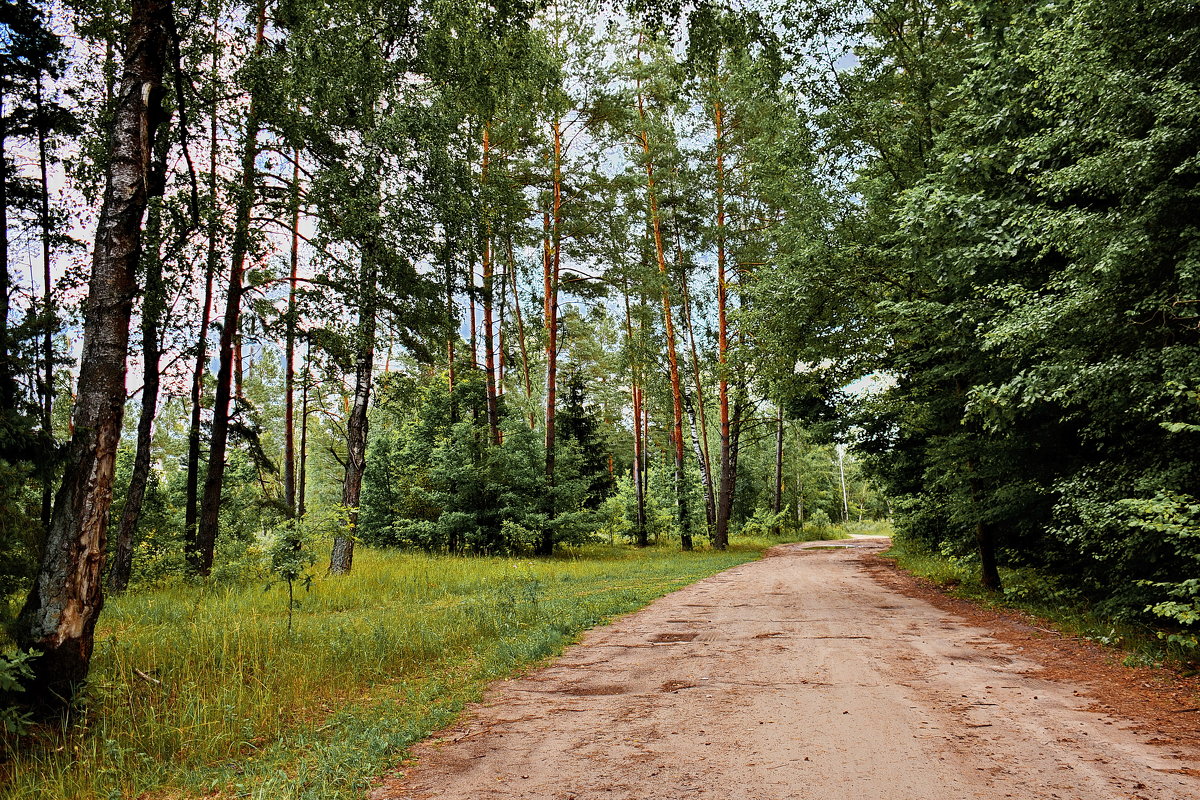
<point>59,617</point>
<point>342,558</point>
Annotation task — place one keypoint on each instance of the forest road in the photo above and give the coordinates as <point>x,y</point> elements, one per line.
<point>815,673</point>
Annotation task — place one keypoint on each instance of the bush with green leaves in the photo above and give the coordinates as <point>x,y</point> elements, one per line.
<point>435,481</point>
<point>14,670</point>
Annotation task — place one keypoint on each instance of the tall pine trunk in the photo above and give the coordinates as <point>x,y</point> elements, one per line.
<point>777,499</point>
<point>696,412</point>
<point>47,299</point>
<point>516,299</point>
<point>635,392</point>
<point>8,387</point>
<point>451,327</point>
<point>302,477</point>
<point>153,306</point>
<point>289,353</point>
<point>200,549</point>
<point>728,476</point>
<point>191,503</point>
<point>59,617</point>
<point>551,262</point>
<point>489,333</point>
<point>681,502</point>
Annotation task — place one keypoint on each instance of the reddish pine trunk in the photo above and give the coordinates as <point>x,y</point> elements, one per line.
<point>59,616</point>
<point>681,504</point>
<point>551,244</point>
<point>728,474</point>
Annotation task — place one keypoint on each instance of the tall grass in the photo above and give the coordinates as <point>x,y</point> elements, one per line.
<point>201,690</point>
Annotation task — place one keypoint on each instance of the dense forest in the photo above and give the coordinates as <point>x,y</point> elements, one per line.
<point>505,278</point>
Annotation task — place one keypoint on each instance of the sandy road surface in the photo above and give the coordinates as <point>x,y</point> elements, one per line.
<point>808,674</point>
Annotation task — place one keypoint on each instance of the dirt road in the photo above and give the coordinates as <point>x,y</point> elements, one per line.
<point>814,673</point>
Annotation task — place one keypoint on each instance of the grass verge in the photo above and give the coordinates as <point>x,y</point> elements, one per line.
<point>1042,596</point>
<point>202,690</point>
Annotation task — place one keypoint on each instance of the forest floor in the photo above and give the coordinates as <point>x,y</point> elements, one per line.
<point>820,672</point>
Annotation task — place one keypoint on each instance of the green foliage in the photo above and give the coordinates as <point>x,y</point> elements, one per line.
<point>291,557</point>
<point>14,671</point>
<point>1174,520</point>
<point>436,482</point>
<point>20,534</point>
<point>765,523</point>
<point>1015,261</point>
<point>819,521</point>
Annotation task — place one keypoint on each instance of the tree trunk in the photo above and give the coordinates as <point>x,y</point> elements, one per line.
<point>451,329</point>
<point>551,245</point>
<point>841,454</point>
<point>989,571</point>
<point>59,616</point>
<point>192,487</point>
<point>302,479</point>
<point>728,481</point>
<point>985,540</point>
<point>727,478</point>
<point>471,299</point>
<point>489,333</point>
<point>516,296</point>
<point>635,393</point>
<point>153,306</point>
<point>681,504</point>
<point>342,558</point>
<point>777,502</point>
<point>289,353</point>
<point>200,550</point>
<point>47,304</point>
<point>698,414</point>
<point>8,387</point>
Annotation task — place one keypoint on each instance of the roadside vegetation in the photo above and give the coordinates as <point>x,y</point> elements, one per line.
<point>202,689</point>
<point>1050,598</point>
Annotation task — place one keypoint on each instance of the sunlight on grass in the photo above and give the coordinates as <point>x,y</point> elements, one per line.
<point>201,689</point>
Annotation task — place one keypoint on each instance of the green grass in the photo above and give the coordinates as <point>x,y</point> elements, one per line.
<point>201,690</point>
<point>1042,596</point>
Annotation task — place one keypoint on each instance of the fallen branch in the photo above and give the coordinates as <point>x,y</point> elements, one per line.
<point>147,678</point>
